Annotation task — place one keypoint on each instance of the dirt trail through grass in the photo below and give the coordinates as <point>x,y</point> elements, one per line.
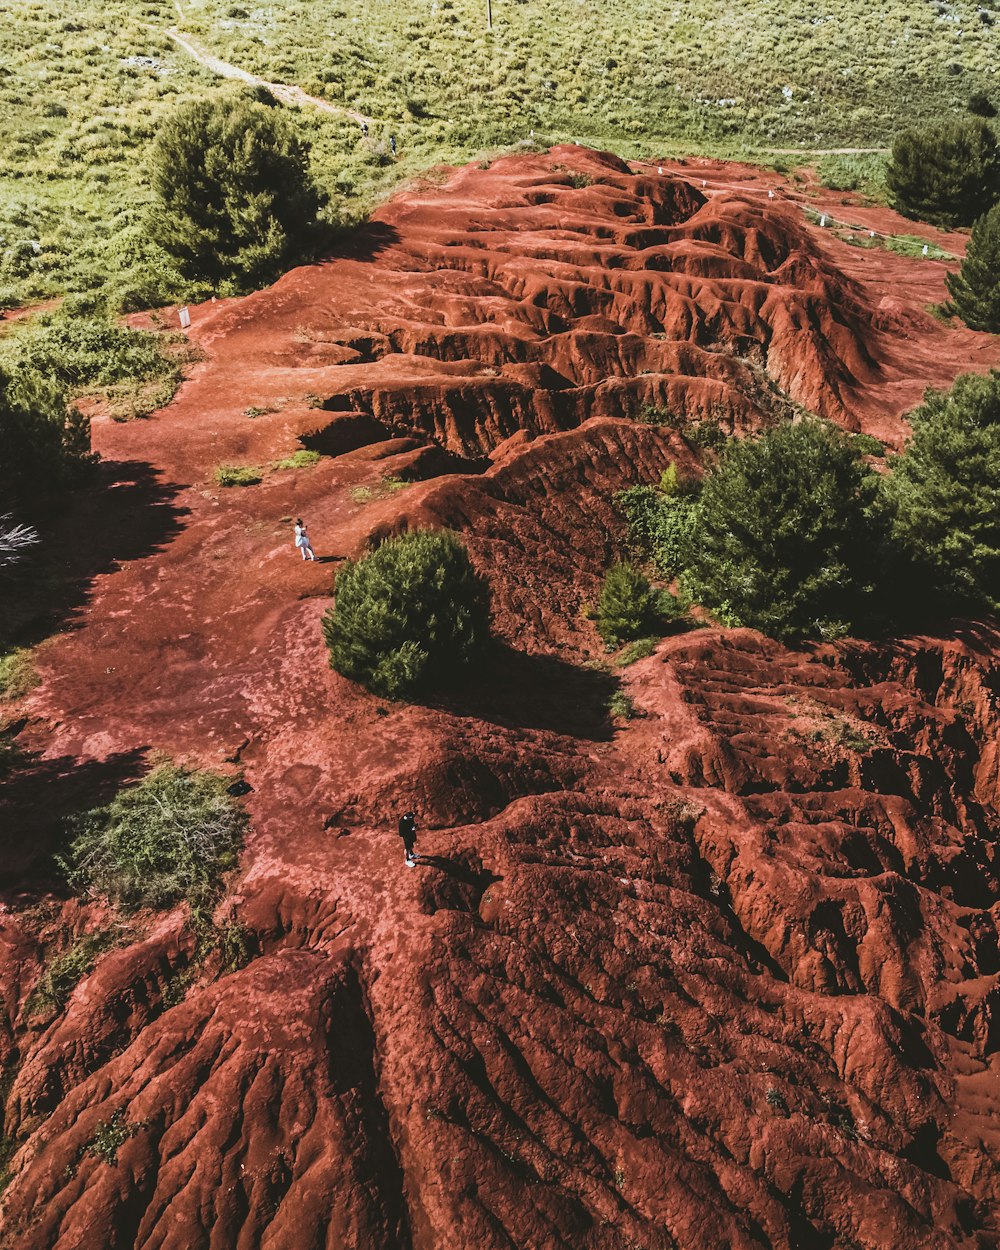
<point>286,93</point>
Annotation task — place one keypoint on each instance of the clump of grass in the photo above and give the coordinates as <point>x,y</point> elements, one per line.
<point>167,838</point>
<point>253,411</point>
<point>641,649</point>
<point>110,1136</point>
<point>621,707</point>
<point>67,970</point>
<point>381,490</point>
<point>18,675</point>
<point>238,475</point>
<point>298,460</point>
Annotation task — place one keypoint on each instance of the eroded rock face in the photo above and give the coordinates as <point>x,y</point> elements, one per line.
<point>725,975</point>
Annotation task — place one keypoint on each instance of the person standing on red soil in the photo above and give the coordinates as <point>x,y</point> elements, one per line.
<point>302,540</point>
<point>408,832</point>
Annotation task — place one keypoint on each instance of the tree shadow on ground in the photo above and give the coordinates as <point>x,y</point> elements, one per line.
<point>127,512</point>
<point>517,690</point>
<point>36,798</point>
<point>363,243</point>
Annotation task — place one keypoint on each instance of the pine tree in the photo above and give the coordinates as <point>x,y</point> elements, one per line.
<point>945,489</point>
<point>948,174</point>
<point>236,201</point>
<point>787,534</point>
<point>628,607</point>
<point>975,289</point>
<point>409,616</point>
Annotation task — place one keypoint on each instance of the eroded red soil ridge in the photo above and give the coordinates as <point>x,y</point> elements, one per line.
<point>725,976</point>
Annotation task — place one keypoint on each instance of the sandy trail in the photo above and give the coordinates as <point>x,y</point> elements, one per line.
<point>287,93</point>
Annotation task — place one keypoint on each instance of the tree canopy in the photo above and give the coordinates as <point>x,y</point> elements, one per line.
<point>409,616</point>
<point>947,174</point>
<point>975,289</point>
<point>787,534</point>
<point>237,204</point>
<point>945,491</point>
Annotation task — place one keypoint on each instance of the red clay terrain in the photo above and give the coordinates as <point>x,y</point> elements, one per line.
<point>722,977</point>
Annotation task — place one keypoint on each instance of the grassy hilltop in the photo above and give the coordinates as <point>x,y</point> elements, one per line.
<point>82,90</point>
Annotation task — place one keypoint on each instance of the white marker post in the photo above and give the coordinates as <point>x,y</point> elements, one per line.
<point>925,251</point>
<point>822,222</point>
<point>185,317</point>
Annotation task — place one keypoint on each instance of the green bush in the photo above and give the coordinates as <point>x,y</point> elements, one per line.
<point>788,534</point>
<point>237,475</point>
<point>867,445</point>
<point>628,607</point>
<point>975,289</point>
<point>44,443</point>
<point>18,675</point>
<point>947,174</point>
<point>945,491</point>
<point>170,837</point>
<point>409,616</point>
<point>658,522</point>
<point>237,204</point>
<point>84,352</point>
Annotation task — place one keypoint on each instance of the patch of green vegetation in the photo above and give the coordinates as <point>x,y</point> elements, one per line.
<point>628,606</point>
<point>298,460</point>
<point>169,837</point>
<point>381,490</point>
<point>253,411</point>
<point>238,475</point>
<point>868,445</point>
<point>410,616</point>
<point>110,1136</point>
<point>84,351</point>
<point>864,172</point>
<point>621,707</point>
<point>18,675</point>
<point>67,970</point>
<point>641,649</point>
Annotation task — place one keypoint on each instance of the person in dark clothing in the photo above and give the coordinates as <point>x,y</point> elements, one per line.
<point>392,144</point>
<point>408,832</point>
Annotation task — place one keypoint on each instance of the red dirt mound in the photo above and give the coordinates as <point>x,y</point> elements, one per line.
<point>725,975</point>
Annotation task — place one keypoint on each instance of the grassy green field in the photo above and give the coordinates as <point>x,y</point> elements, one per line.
<point>81,95</point>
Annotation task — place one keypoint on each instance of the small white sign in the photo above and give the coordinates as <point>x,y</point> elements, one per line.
<point>185,317</point>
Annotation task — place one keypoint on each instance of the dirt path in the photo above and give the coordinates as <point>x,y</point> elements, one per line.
<point>825,151</point>
<point>286,93</point>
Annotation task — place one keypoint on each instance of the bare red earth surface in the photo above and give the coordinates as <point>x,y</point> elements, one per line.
<point>725,975</point>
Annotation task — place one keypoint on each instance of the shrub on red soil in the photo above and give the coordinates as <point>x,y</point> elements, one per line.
<point>409,616</point>
<point>628,607</point>
<point>169,837</point>
<point>975,289</point>
<point>949,174</point>
<point>788,533</point>
<point>945,492</point>
<point>237,200</point>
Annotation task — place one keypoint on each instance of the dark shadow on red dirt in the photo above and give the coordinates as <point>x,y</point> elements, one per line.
<point>522,691</point>
<point>35,802</point>
<point>127,513</point>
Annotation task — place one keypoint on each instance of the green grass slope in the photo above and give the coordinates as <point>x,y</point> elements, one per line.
<point>83,86</point>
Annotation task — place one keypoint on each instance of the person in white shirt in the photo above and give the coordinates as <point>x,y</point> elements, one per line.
<point>302,540</point>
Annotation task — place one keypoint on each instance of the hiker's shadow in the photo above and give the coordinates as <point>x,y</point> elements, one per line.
<point>515,689</point>
<point>457,884</point>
